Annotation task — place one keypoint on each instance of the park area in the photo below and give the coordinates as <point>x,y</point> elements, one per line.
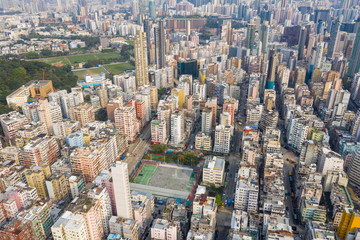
<point>81,58</point>
<point>168,178</point>
<point>114,69</point>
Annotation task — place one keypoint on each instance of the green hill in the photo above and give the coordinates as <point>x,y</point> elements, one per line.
<point>15,73</point>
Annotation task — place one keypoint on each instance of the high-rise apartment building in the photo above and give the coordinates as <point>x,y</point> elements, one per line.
<point>39,216</point>
<point>141,59</point>
<point>111,106</point>
<point>126,228</point>
<point>70,226</point>
<point>40,150</point>
<point>126,122</point>
<point>230,106</point>
<point>264,36</point>
<point>329,161</point>
<point>90,209</point>
<point>32,130</point>
<point>160,45</point>
<point>334,33</point>
<point>212,103</point>
<point>300,75</point>
<point>177,127</point>
<point>154,100</point>
<point>158,132</point>
<point>268,120</point>
<point>11,123</point>
<point>164,114</point>
<point>83,113</point>
<point>163,229</point>
<point>302,40</point>
<point>89,161</point>
<point>298,131</point>
<point>103,96</point>
<point>206,120</point>
<point>253,114</point>
<point>319,54</point>
<point>36,177</point>
<point>269,99</point>
<point>57,186</point>
<point>349,222</point>
<point>247,189</point>
<point>101,194</point>
<point>180,94</point>
<point>19,230</point>
<point>250,35</point>
<point>354,169</point>
<point>354,65</point>
<point>120,177</point>
<point>222,139</point>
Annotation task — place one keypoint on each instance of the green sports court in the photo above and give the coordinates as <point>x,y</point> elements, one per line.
<point>145,174</point>
<point>169,178</point>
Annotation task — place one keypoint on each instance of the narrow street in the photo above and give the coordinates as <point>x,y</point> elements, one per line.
<point>223,218</point>
<point>139,148</point>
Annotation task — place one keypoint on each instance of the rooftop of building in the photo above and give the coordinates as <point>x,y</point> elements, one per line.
<point>12,117</point>
<point>15,226</point>
<point>160,224</point>
<point>35,142</point>
<point>320,230</point>
<point>39,83</point>
<point>81,204</point>
<point>340,195</point>
<point>215,162</point>
<point>70,220</point>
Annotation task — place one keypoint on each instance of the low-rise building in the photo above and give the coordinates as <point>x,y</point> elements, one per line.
<point>203,141</point>
<point>318,230</point>
<point>163,230</point>
<point>312,211</point>
<point>126,228</point>
<point>213,171</point>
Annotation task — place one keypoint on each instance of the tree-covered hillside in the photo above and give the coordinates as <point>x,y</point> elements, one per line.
<point>15,73</point>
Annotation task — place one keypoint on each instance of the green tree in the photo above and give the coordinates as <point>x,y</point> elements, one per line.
<point>14,73</point>
<point>171,157</point>
<point>87,98</point>
<point>191,159</point>
<point>101,114</point>
<point>215,190</point>
<point>161,92</point>
<point>127,51</point>
<point>32,55</point>
<point>158,148</point>
<point>181,158</point>
<point>45,53</point>
<point>218,199</point>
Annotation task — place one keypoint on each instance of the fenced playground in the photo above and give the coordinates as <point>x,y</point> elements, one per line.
<point>167,178</point>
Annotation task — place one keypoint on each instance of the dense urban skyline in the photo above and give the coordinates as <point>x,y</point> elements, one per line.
<point>179,119</point>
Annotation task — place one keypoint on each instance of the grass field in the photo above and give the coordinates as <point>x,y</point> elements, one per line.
<point>53,60</point>
<point>118,67</point>
<point>157,157</point>
<point>91,71</point>
<point>74,59</point>
<point>113,68</point>
<point>145,174</point>
<point>167,177</point>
